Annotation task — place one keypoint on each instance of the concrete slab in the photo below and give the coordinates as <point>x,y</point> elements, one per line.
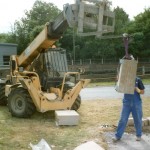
<point>128,142</point>
<point>91,145</point>
<point>145,122</point>
<point>127,74</point>
<point>66,117</point>
<point>130,122</point>
<point>148,118</point>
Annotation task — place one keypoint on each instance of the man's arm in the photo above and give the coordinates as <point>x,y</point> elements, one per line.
<point>140,88</point>
<point>139,91</point>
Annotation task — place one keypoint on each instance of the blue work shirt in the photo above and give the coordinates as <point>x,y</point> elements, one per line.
<point>134,98</point>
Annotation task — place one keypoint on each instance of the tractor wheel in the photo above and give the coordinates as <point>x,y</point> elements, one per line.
<point>77,103</point>
<point>20,103</point>
<point>3,98</point>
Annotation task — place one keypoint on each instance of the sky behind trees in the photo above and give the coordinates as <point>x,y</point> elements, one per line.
<point>14,10</point>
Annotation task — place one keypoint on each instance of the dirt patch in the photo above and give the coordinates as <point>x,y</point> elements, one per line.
<point>96,118</point>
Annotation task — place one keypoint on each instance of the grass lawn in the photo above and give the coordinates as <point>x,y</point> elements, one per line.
<point>16,134</point>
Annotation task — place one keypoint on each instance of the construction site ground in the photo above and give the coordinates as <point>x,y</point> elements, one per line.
<point>98,120</point>
<point>128,142</point>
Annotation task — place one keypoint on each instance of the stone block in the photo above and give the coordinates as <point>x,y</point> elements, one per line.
<point>148,118</point>
<point>66,117</point>
<point>130,122</point>
<point>145,122</point>
<point>127,75</point>
<point>91,145</point>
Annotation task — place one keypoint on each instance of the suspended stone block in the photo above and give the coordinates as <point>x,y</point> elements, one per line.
<point>126,77</point>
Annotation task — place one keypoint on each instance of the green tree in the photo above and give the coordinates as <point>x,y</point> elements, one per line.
<point>28,27</point>
<point>140,28</point>
<point>7,38</point>
<point>121,20</point>
<point>3,37</point>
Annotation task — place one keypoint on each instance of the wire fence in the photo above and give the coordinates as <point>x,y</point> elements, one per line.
<point>103,61</point>
<point>113,78</point>
<point>110,74</point>
<point>103,69</point>
<point>106,69</point>
<point>90,61</point>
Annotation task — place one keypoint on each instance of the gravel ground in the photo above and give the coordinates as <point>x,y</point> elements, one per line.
<point>106,92</point>
<point>128,142</point>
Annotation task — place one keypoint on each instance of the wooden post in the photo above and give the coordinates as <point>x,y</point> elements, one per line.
<point>72,62</point>
<point>80,61</point>
<point>90,61</point>
<point>143,70</point>
<point>102,61</point>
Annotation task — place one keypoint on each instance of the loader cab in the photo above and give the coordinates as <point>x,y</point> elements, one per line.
<point>51,67</point>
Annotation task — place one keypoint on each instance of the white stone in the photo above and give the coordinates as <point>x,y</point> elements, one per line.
<point>66,117</point>
<point>148,118</point>
<point>130,122</point>
<point>127,75</point>
<point>145,122</point>
<point>91,145</point>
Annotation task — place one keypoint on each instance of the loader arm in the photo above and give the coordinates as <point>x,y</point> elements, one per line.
<point>96,17</point>
<point>28,92</point>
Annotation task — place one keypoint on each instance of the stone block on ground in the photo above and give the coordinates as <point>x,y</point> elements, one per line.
<point>130,122</point>
<point>91,145</point>
<point>66,117</point>
<point>145,122</point>
<point>148,118</point>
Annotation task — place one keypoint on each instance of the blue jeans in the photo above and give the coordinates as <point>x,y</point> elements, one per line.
<point>130,106</point>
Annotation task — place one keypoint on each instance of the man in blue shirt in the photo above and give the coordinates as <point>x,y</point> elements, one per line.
<point>132,103</point>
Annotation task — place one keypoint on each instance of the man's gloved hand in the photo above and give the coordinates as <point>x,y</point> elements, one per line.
<point>137,89</point>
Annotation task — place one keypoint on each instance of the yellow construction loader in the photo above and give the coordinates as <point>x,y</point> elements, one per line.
<point>39,78</point>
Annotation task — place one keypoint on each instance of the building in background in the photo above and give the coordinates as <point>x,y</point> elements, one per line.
<point>6,50</point>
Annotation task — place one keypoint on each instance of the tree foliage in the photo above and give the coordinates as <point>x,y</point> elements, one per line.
<point>28,27</point>
<point>3,38</point>
<point>7,38</point>
<point>140,28</point>
<point>121,20</point>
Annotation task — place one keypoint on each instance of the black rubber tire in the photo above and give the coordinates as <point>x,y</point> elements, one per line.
<point>3,98</point>
<point>76,104</point>
<point>20,103</point>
